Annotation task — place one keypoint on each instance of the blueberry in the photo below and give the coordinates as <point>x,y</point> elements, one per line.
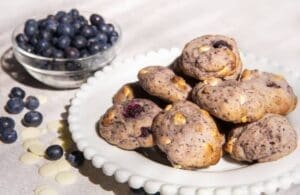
<point>101,37</point>
<point>26,47</point>
<point>65,29</point>
<point>110,28</point>
<point>50,17</point>
<point>72,66</point>
<point>64,42</point>
<point>66,19</point>
<point>103,27</point>
<point>32,119</point>
<point>77,25</point>
<point>17,92</point>
<point>48,52</point>
<point>113,37</point>
<point>75,158</point>
<point>51,25</point>
<point>83,20</point>
<point>95,48</point>
<point>14,105</point>
<point>96,19</point>
<point>34,40</point>
<point>84,53</point>
<point>72,52</point>
<point>54,152</point>
<point>132,110</point>
<point>87,31</point>
<point>105,46</point>
<point>42,24</point>
<point>8,136</point>
<point>21,38</point>
<point>74,13</point>
<point>42,45</point>
<point>58,53</point>
<point>91,41</point>
<point>54,40</point>
<point>46,35</point>
<point>31,27</point>
<point>6,123</point>
<point>32,103</point>
<point>79,42</point>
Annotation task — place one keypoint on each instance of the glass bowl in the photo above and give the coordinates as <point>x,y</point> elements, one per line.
<point>62,72</point>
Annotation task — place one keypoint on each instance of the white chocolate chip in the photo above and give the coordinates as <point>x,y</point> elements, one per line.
<point>37,149</point>
<point>66,178</point>
<point>63,165</point>
<point>30,142</point>
<point>30,132</point>
<point>204,48</point>
<point>29,158</point>
<point>45,190</point>
<point>42,99</point>
<point>243,99</point>
<point>48,170</point>
<point>56,126</point>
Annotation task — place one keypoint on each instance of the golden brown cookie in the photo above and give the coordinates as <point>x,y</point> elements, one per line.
<point>162,82</point>
<point>268,139</point>
<point>211,56</point>
<point>188,135</point>
<point>128,124</point>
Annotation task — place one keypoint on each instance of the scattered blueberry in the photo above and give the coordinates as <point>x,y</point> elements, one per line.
<point>63,42</point>
<point>6,123</point>
<point>8,136</point>
<point>54,152</point>
<point>75,158</point>
<point>14,105</point>
<point>32,119</point>
<point>32,103</point>
<point>17,92</point>
<point>72,52</point>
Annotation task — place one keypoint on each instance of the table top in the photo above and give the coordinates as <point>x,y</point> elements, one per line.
<point>268,28</point>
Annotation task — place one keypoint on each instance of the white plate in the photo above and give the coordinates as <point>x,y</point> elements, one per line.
<point>227,177</point>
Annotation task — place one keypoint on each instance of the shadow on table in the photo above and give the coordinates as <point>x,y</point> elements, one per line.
<point>17,72</point>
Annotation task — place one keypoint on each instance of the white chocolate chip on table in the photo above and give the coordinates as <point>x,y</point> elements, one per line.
<point>30,132</point>
<point>29,158</point>
<point>37,149</point>
<point>66,178</point>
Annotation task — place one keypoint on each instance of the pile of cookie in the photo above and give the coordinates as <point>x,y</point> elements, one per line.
<point>202,106</point>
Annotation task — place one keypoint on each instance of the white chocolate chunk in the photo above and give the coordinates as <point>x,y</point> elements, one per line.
<point>45,190</point>
<point>30,142</point>
<point>56,126</point>
<point>42,99</point>
<point>30,132</point>
<point>29,158</point>
<point>63,165</point>
<point>66,178</point>
<point>37,149</point>
<point>48,170</point>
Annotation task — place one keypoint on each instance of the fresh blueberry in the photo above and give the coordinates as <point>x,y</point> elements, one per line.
<point>26,47</point>
<point>32,103</point>
<point>50,17</point>
<point>51,25</point>
<point>59,15</point>
<point>8,136</point>
<point>74,13</point>
<point>65,29</point>
<point>48,52</point>
<point>66,19</point>
<point>42,45</point>
<point>96,19</point>
<point>77,25</point>
<point>46,35</point>
<point>75,158</point>
<point>79,42</point>
<point>21,38</point>
<point>105,46</point>
<point>103,27</point>
<point>91,41</point>
<point>14,105</point>
<point>54,152</point>
<point>113,37</point>
<point>42,24</point>
<point>83,20</point>
<point>34,40</point>
<point>95,48</point>
<point>87,31</point>
<point>110,28</point>
<point>54,41</point>
<point>31,27</point>
<point>58,53</point>
<point>72,52</point>
<point>17,92</point>
<point>84,53</point>
<point>101,37</point>
<point>72,66</point>
<point>6,123</point>
<point>64,42</point>
<point>32,119</point>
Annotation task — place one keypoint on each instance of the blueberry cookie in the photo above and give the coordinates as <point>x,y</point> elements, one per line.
<point>247,100</point>
<point>188,135</point>
<point>268,139</point>
<point>162,82</point>
<point>128,124</point>
<point>211,56</point>
<point>133,90</point>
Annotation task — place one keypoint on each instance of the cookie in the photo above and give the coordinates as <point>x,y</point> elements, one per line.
<point>133,90</point>
<point>268,139</point>
<point>247,100</point>
<point>162,82</point>
<point>188,135</point>
<point>211,56</point>
<point>128,124</point>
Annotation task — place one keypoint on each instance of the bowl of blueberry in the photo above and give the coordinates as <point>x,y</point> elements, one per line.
<point>64,49</point>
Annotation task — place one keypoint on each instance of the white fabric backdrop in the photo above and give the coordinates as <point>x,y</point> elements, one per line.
<point>268,28</point>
